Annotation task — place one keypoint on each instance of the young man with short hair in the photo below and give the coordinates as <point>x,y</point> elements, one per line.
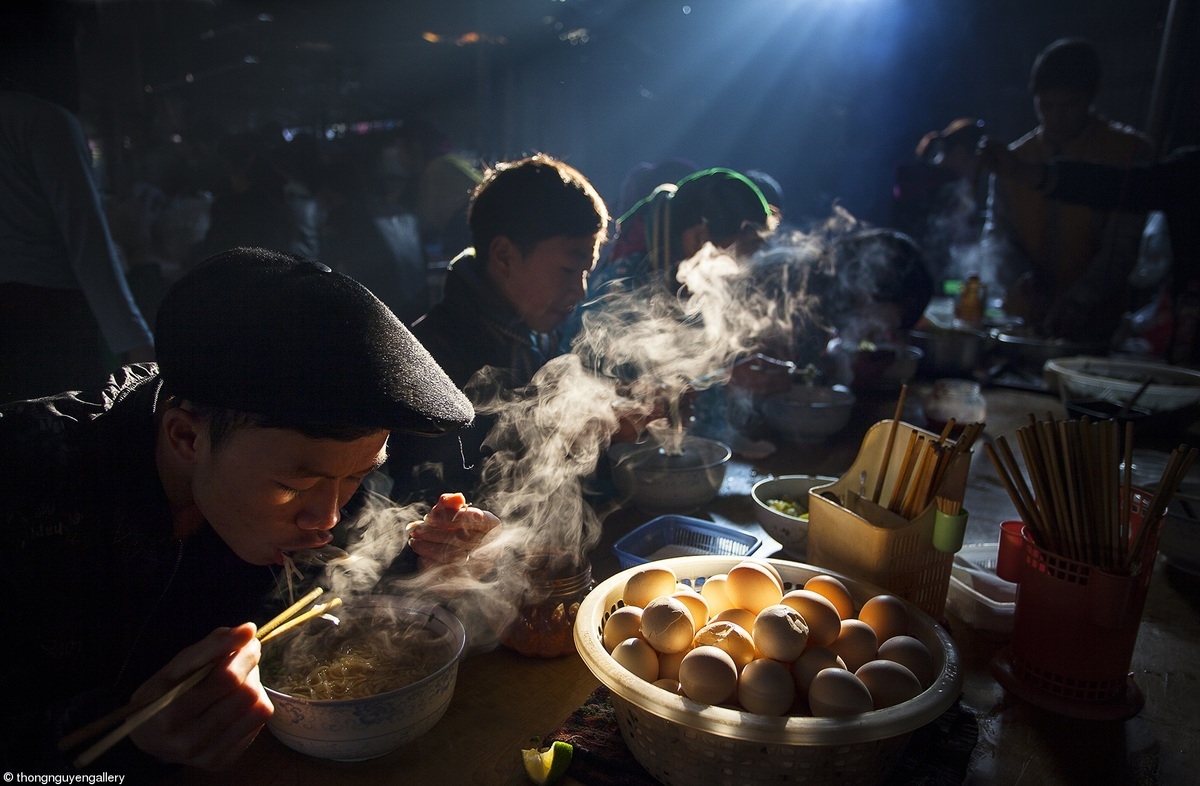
<point>537,225</point>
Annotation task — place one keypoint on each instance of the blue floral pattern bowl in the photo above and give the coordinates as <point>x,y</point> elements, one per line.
<point>364,728</point>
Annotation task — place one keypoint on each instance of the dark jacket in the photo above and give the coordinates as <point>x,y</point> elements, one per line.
<point>100,593</point>
<point>1171,185</point>
<point>481,343</point>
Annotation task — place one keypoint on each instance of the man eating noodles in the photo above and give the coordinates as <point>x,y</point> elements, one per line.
<point>148,522</point>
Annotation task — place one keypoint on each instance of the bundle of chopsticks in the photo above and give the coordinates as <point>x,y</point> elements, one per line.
<point>1077,503</point>
<point>132,715</point>
<point>923,467</point>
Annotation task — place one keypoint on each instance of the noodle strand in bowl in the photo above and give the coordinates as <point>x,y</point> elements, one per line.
<point>354,661</point>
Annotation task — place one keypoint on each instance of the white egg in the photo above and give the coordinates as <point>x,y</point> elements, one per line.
<point>886,615</point>
<point>836,693</point>
<point>728,636</point>
<point>835,591</point>
<point>648,583</point>
<point>889,682</point>
<point>714,591</point>
<point>708,675</point>
<point>913,654</point>
<point>810,663</point>
<point>624,623</point>
<point>639,657</point>
<point>695,603</point>
<point>753,587</point>
<point>824,622</point>
<point>737,616</point>
<point>667,624</point>
<point>668,664</point>
<point>780,633</point>
<point>765,687</point>
<point>856,643</point>
<point>669,685</point>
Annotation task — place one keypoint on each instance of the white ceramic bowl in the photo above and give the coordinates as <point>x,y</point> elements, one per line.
<point>790,531</point>
<point>1118,381</point>
<point>356,729</point>
<point>809,413</point>
<point>658,480</point>
<point>680,741</point>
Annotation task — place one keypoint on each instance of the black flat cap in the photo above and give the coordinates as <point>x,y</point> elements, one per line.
<point>285,337</point>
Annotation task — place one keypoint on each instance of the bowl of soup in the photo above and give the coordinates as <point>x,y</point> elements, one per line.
<point>379,678</point>
<point>672,475</point>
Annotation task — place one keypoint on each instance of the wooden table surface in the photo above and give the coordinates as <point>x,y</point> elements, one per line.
<point>502,699</point>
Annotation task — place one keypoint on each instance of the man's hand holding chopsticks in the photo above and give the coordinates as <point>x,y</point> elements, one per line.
<point>211,724</point>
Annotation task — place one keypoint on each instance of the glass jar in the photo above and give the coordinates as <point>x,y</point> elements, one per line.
<point>958,399</point>
<point>545,623</point>
<point>971,304</point>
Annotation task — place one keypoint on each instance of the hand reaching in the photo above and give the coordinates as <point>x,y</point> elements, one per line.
<point>450,531</point>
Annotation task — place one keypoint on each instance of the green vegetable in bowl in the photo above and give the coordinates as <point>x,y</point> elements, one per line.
<point>788,507</point>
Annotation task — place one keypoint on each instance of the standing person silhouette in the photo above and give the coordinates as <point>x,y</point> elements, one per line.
<point>67,315</point>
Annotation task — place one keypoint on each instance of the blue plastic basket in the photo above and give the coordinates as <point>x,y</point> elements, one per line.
<point>682,536</point>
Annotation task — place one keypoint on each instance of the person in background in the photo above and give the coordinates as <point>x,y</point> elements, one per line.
<point>1171,184</point>
<point>934,200</point>
<point>718,206</point>
<point>536,226</point>
<point>1064,266</point>
<point>147,521</point>
<point>369,239</point>
<point>249,205</point>
<point>66,311</point>
<point>443,196</point>
<point>645,176</point>
<point>865,286</point>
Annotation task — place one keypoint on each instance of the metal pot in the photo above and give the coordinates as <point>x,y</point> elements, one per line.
<point>1031,352</point>
<point>951,352</point>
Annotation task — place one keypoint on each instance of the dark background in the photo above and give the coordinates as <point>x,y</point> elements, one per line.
<point>826,95</point>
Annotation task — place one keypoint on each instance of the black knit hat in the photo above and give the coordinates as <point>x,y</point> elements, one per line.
<point>284,337</point>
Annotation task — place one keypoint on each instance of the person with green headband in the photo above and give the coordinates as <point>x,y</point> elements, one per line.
<point>718,206</point>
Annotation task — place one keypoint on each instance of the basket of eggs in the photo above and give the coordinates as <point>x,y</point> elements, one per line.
<point>745,671</point>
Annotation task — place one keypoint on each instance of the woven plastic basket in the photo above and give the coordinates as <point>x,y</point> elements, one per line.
<point>681,742</point>
<point>678,536</point>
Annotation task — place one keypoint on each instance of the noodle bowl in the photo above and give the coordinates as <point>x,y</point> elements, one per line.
<point>360,689</point>
<point>356,659</point>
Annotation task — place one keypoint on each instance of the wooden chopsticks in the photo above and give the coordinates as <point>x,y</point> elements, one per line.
<point>1076,502</point>
<point>923,468</point>
<point>131,716</point>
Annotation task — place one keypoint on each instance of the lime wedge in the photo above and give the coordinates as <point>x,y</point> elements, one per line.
<point>547,765</point>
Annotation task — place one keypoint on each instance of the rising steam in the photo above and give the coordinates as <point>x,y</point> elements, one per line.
<point>637,352</point>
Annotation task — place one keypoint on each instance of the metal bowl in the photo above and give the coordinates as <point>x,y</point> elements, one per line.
<point>1032,352</point>
<point>951,352</point>
<point>809,413</point>
<point>670,481</point>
